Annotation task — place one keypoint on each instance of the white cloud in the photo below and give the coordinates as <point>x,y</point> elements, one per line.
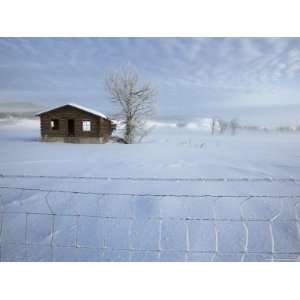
<point>237,71</point>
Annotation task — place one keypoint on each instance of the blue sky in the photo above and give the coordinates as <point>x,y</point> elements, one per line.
<point>253,79</point>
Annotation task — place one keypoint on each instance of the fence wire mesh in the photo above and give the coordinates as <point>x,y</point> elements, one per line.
<point>40,224</point>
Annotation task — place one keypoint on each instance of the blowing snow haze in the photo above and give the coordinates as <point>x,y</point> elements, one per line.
<point>253,79</point>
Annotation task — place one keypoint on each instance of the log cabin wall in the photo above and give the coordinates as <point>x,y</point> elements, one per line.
<point>100,127</point>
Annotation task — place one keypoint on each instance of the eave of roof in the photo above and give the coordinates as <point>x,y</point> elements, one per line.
<point>91,111</point>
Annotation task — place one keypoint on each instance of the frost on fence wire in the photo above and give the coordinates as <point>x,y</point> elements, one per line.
<point>48,225</point>
<point>172,179</point>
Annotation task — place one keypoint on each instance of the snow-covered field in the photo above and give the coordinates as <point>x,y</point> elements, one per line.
<point>182,195</point>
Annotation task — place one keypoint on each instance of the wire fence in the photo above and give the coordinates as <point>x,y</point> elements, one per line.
<point>53,225</point>
<point>150,194</point>
<point>176,179</point>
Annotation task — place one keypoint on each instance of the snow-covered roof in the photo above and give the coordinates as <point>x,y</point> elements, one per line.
<point>91,111</point>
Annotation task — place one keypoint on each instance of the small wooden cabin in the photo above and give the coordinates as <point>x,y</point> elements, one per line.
<point>72,123</point>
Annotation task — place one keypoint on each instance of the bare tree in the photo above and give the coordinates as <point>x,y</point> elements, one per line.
<point>135,100</point>
<point>233,126</point>
<point>213,125</point>
<point>223,125</point>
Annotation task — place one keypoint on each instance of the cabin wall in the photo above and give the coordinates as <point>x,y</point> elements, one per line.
<point>101,129</point>
<point>105,128</point>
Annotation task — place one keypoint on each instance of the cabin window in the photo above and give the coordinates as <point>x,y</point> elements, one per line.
<point>55,124</point>
<point>86,125</point>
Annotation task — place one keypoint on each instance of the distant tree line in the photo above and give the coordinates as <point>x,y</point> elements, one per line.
<point>25,115</point>
<point>221,125</point>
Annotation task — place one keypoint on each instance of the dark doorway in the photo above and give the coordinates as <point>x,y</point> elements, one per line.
<point>71,127</point>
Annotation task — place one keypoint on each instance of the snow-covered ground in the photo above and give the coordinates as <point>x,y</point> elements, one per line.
<point>181,195</point>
